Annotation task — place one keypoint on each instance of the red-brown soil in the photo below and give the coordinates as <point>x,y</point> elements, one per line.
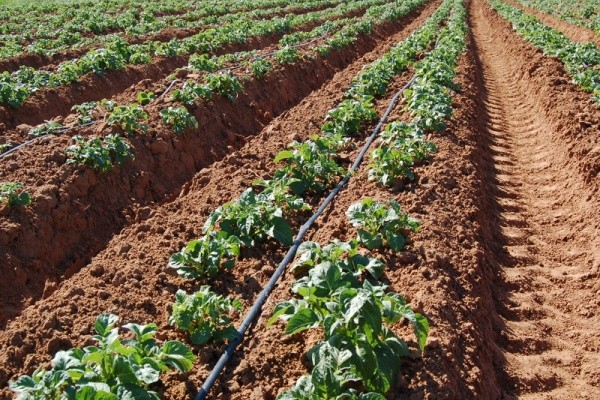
<point>77,211</point>
<point>505,265</point>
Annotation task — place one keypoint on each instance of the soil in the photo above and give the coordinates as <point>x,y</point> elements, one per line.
<point>505,265</point>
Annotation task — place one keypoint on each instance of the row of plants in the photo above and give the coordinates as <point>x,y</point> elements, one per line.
<point>309,168</point>
<point>359,357</point>
<point>16,87</point>
<point>73,34</point>
<point>584,13</point>
<point>581,60</point>
<point>342,289</point>
<point>428,102</point>
<point>102,154</point>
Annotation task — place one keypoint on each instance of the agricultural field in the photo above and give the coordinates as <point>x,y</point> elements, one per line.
<point>310,199</point>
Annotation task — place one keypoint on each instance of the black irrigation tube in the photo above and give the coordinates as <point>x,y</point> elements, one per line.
<point>44,135</point>
<point>264,295</point>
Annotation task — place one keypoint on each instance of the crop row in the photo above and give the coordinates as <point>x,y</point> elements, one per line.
<point>581,60</point>
<point>355,314</point>
<point>102,153</point>
<point>48,40</point>
<point>342,292</point>
<point>94,371</point>
<point>15,88</point>
<point>584,13</point>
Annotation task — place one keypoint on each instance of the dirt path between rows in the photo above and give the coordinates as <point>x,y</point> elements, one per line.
<point>544,227</point>
<point>573,32</point>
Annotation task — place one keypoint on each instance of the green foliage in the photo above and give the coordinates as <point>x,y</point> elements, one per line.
<point>206,256</point>
<point>145,98</point>
<point>260,67</point>
<point>379,225</point>
<point>13,194</point>
<point>350,116</point>
<point>310,164</point>
<point>252,218</point>
<point>99,154</point>
<point>113,369</point>
<point>85,111</point>
<point>404,146</point>
<point>47,128</point>
<point>204,62</point>
<point>205,315</point>
<point>190,91</point>
<point>227,85</point>
<point>179,119</point>
<point>287,55</point>
<point>129,118</point>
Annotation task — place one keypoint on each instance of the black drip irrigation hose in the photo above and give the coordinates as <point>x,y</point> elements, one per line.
<point>264,295</point>
<point>41,136</point>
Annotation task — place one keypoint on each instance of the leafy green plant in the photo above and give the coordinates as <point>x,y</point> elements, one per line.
<point>350,116</point>
<point>13,194</point>
<point>204,62</point>
<point>190,91</point>
<point>179,119</point>
<point>129,118</point>
<point>311,165</point>
<point>287,55</point>
<point>99,154</point>
<point>4,147</point>
<point>205,315</point>
<point>113,369</point>
<point>47,128</point>
<point>260,67</point>
<point>85,111</point>
<point>252,218</point>
<point>404,146</point>
<point>345,255</point>
<point>206,256</point>
<point>145,98</point>
<point>226,84</point>
<point>355,319</point>
<point>379,225</point>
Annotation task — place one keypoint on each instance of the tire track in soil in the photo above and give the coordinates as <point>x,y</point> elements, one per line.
<point>128,277</point>
<point>544,228</point>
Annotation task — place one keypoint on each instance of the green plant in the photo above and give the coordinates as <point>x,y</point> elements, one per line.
<point>129,118</point>
<point>260,67</point>
<point>227,85</point>
<point>287,55</point>
<point>12,194</point>
<point>345,255</point>
<point>311,165</point>
<point>205,315</point>
<point>350,116</point>
<point>85,111</point>
<point>379,224</point>
<point>99,154</point>
<point>178,119</point>
<point>204,62</point>
<point>252,218</point>
<point>204,257</point>
<point>190,91</point>
<point>145,98</point>
<point>47,128</point>
<point>113,369</point>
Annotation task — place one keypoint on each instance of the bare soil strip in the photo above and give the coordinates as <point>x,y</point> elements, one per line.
<point>542,218</point>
